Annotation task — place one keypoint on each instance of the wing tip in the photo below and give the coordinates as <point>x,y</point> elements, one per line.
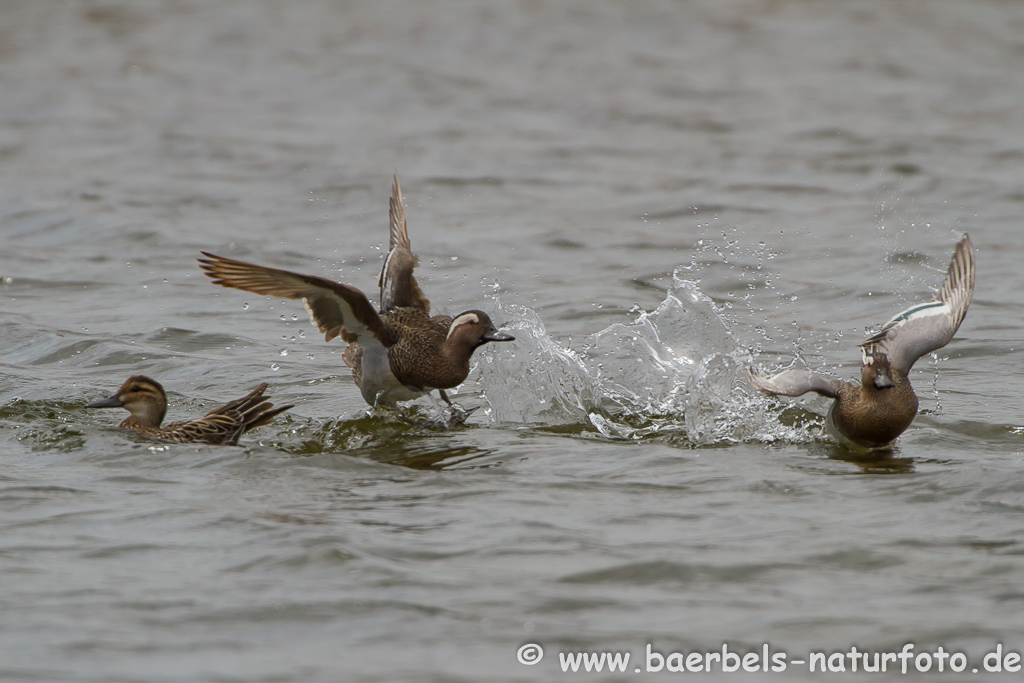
<point>958,288</point>
<point>956,292</point>
<point>756,379</point>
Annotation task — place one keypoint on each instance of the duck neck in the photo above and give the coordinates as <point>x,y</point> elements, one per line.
<point>148,417</point>
<point>457,352</point>
<point>900,390</point>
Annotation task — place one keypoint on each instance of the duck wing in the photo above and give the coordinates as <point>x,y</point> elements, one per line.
<point>221,428</point>
<point>254,409</point>
<point>253,398</point>
<point>793,383</point>
<point>225,423</point>
<point>929,326</point>
<point>398,287</point>
<point>335,309</point>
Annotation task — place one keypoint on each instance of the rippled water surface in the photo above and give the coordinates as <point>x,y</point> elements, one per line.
<point>650,196</point>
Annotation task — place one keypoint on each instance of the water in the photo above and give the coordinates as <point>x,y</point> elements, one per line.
<point>649,196</point>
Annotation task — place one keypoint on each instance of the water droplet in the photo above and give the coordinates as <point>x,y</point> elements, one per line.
<point>245,307</point>
<point>275,367</point>
<point>295,316</point>
<point>310,356</point>
<point>283,317</point>
<point>284,352</point>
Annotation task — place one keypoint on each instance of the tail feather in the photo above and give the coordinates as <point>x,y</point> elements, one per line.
<point>242,404</point>
<point>264,416</point>
<point>249,412</point>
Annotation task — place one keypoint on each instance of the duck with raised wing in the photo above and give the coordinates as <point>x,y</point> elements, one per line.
<point>873,413</point>
<point>396,354</point>
<point>146,400</point>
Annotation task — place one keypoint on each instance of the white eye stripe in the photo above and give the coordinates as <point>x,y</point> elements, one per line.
<point>464,319</point>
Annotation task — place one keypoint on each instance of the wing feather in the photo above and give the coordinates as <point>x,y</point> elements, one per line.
<point>793,383</point>
<point>335,309</point>
<point>398,287</point>
<point>254,397</point>
<point>926,327</point>
<point>225,423</point>
<point>222,428</point>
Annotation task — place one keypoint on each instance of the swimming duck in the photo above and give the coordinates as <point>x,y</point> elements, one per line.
<point>873,413</point>
<point>397,354</point>
<point>146,400</point>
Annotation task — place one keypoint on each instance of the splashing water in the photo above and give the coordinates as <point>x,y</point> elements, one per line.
<point>535,381</point>
<point>676,372</point>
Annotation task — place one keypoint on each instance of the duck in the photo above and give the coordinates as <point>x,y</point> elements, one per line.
<point>872,414</point>
<point>146,400</point>
<point>396,353</point>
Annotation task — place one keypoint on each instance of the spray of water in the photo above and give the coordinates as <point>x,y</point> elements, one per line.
<point>676,372</point>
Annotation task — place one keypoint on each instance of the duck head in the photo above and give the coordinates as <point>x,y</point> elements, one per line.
<point>141,396</point>
<point>474,329</point>
<point>877,372</point>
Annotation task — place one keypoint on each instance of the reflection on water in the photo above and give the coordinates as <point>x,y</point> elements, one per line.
<point>875,462</point>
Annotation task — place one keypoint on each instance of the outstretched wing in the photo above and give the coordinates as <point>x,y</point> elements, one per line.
<point>397,285</point>
<point>334,308</point>
<point>923,328</point>
<point>793,383</point>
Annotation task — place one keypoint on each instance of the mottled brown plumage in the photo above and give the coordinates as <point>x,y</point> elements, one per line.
<point>425,356</point>
<point>397,354</point>
<point>146,400</point>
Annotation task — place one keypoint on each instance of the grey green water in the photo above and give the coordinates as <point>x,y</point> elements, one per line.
<point>649,195</point>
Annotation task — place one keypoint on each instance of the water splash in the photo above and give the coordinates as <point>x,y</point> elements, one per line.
<point>676,372</point>
<point>534,380</point>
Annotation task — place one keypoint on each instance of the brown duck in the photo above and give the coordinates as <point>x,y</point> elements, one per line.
<point>396,354</point>
<point>876,411</point>
<point>146,400</point>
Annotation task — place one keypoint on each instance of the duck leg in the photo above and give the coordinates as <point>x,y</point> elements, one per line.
<point>457,415</point>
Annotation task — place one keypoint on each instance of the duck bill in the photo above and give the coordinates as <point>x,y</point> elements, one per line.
<point>883,381</point>
<point>496,336</point>
<point>112,402</point>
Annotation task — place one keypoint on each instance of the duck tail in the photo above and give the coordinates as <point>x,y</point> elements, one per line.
<point>262,414</point>
<point>251,411</point>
